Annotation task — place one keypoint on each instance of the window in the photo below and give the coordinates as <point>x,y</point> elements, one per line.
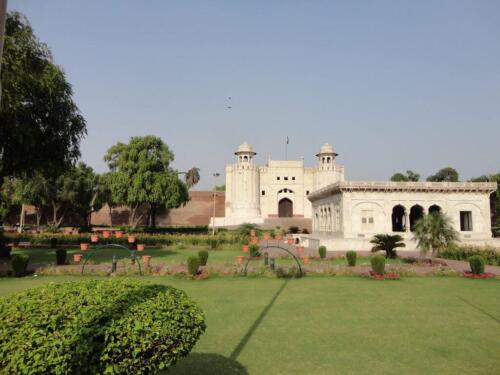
<point>466,221</point>
<point>263,192</point>
<point>278,178</point>
<point>367,220</point>
<point>286,178</point>
<point>293,178</point>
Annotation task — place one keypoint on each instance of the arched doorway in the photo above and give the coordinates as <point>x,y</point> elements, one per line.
<point>398,219</point>
<point>434,209</point>
<point>285,208</point>
<point>416,213</point>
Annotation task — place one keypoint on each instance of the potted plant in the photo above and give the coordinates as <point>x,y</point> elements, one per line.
<point>267,237</point>
<point>84,246</point>
<point>277,235</point>
<point>239,259</point>
<point>305,259</point>
<point>131,238</point>
<point>245,247</point>
<point>146,259</point>
<point>254,240</point>
<point>119,234</point>
<point>94,238</point>
<point>77,258</point>
<point>106,234</point>
<point>290,240</point>
<point>140,247</point>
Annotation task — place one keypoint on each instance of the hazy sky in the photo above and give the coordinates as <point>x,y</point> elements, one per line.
<point>393,85</point>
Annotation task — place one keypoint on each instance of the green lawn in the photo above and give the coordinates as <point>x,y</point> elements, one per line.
<point>338,325</point>
<point>170,255</point>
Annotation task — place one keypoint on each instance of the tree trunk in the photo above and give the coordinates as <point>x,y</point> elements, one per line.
<point>110,215</point>
<point>21,219</point>
<point>38,217</point>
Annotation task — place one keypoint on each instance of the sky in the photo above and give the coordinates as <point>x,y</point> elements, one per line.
<point>392,85</point>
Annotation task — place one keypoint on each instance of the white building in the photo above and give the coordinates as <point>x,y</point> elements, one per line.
<point>278,189</point>
<point>346,214</point>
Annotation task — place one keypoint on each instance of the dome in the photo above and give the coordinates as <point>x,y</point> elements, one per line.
<point>245,148</point>
<point>326,149</point>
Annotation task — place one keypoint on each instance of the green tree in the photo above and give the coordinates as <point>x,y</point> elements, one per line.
<point>87,196</point>
<point>40,125</point>
<point>220,188</point>
<point>30,190</point>
<point>140,174</point>
<point>409,176</point>
<point>192,177</point>
<point>434,232</point>
<point>447,174</point>
<point>494,201</point>
<point>388,243</point>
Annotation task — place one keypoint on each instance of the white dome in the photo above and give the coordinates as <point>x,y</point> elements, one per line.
<point>326,149</point>
<point>245,148</point>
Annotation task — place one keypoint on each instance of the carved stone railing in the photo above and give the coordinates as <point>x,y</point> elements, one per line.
<point>393,186</point>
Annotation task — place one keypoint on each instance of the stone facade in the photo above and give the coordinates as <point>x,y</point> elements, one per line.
<point>347,214</point>
<point>278,189</point>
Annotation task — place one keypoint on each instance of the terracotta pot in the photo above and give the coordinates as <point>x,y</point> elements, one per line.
<point>267,237</point>
<point>290,240</point>
<point>239,259</point>
<point>77,258</point>
<point>254,240</point>
<point>305,259</point>
<point>84,246</point>
<point>94,238</point>
<point>277,237</point>
<point>140,247</point>
<point>106,234</point>
<point>245,248</point>
<point>118,234</point>
<point>146,259</point>
<point>131,239</point>
<point>252,233</point>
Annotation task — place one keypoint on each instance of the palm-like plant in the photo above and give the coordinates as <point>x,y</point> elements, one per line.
<point>388,243</point>
<point>192,177</point>
<point>434,232</point>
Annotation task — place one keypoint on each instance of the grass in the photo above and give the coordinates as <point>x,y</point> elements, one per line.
<point>171,255</point>
<point>338,325</point>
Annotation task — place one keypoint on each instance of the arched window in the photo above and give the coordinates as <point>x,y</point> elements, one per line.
<point>434,209</point>
<point>245,158</point>
<point>398,219</point>
<point>416,213</point>
<point>328,159</point>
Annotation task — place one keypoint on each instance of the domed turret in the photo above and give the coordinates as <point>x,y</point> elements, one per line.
<point>245,153</point>
<point>328,172</point>
<point>327,150</point>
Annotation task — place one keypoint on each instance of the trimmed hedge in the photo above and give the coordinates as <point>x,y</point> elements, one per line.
<point>378,264</point>
<point>44,239</point>
<point>477,264</point>
<point>464,252</point>
<point>112,327</point>
<point>322,252</point>
<point>203,255</point>
<point>351,258</point>
<point>19,263</point>
<point>193,264</point>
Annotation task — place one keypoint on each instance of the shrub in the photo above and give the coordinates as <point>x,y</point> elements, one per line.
<point>477,263</point>
<point>322,251</point>
<point>90,327</point>
<point>193,263</point>
<point>19,264</point>
<point>61,257</point>
<point>378,264</point>
<point>284,273</point>
<point>203,255</point>
<point>293,229</point>
<point>254,250</point>
<point>351,258</point>
<point>305,231</point>
<point>213,243</point>
<point>464,252</point>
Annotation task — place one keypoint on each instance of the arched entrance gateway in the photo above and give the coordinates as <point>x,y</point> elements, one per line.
<point>285,208</point>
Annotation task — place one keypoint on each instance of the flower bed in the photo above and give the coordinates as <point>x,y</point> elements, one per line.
<point>386,276</point>
<point>484,275</point>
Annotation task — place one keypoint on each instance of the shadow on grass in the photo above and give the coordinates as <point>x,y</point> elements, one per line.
<point>207,364</point>
<point>239,348</point>
<point>479,309</point>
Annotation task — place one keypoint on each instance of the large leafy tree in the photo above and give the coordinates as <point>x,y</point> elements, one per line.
<point>447,174</point>
<point>140,174</point>
<point>30,190</point>
<point>494,201</point>
<point>434,232</point>
<point>388,243</point>
<point>409,176</point>
<point>40,125</point>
